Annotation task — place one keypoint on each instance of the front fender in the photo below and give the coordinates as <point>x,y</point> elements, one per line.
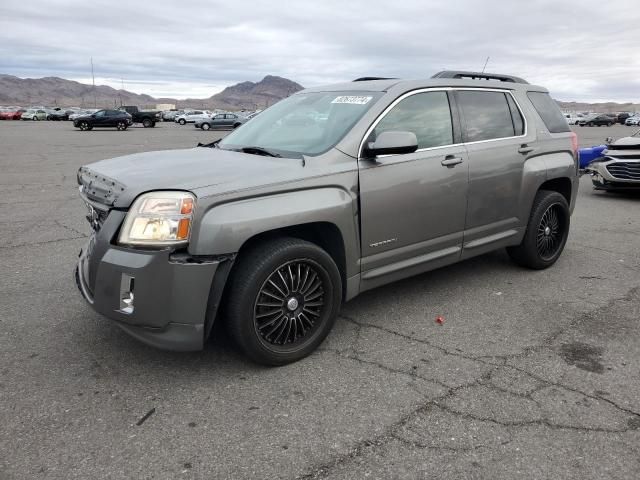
<point>224,228</point>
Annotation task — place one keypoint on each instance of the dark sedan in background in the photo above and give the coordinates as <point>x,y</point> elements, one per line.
<point>104,118</point>
<point>597,121</point>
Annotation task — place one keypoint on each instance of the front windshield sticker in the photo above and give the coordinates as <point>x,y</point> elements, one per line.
<point>353,100</point>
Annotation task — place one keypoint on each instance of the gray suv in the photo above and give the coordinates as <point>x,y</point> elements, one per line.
<point>331,192</point>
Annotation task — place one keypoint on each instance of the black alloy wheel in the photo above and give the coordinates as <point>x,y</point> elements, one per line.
<point>290,303</point>
<point>546,234</point>
<point>550,232</point>
<point>282,298</point>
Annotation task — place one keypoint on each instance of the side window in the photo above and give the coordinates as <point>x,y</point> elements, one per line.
<point>549,111</point>
<point>426,114</point>
<point>100,113</point>
<point>220,116</point>
<point>516,116</point>
<point>486,115</point>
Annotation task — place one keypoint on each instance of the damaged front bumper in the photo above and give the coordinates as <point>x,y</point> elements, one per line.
<point>165,299</point>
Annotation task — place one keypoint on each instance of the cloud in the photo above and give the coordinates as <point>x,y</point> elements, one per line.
<point>579,50</point>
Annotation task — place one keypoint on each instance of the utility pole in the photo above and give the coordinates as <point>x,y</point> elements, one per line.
<point>93,80</point>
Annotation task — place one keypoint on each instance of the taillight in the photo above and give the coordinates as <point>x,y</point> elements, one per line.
<point>576,152</point>
<point>574,143</point>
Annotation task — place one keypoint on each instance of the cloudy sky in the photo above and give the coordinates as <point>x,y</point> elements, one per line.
<point>584,50</point>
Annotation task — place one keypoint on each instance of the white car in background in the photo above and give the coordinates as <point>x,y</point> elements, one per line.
<point>192,117</point>
<point>572,119</point>
<point>635,120</point>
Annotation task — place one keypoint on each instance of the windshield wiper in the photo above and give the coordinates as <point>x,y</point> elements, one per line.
<point>259,151</point>
<point>209,145</point>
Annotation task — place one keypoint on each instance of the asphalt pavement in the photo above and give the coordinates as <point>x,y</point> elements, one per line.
<point>533,374</point>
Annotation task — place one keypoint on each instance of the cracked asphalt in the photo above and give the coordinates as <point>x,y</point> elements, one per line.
<point>531,375</point>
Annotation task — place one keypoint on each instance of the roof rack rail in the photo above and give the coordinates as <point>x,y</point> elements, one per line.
<point>366,79</point>
<point>479,76</point>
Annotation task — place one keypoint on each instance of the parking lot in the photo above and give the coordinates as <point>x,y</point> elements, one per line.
<point>533,374</point>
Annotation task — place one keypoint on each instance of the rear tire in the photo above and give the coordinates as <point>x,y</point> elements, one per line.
<point>236,125</point>
<point>283,298</point>
<point>546,234</point>
<point>205,126</point>
<point>35,119</point>
<point>147,123</point>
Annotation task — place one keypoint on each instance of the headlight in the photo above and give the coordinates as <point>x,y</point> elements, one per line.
<point>158,219</point>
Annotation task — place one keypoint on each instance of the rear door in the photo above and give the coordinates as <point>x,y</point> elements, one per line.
<point>230,119</point>
<point>111,118</point>
<point>413,205</point>
<point>494,131</point>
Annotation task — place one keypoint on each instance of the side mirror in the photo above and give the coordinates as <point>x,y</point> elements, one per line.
<point>392,143</point>
<point>93,115</point>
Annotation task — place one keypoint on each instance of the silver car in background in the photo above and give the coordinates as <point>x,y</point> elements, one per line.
<point>221,121</point>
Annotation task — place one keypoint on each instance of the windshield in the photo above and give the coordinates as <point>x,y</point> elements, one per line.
<point>303,124</point>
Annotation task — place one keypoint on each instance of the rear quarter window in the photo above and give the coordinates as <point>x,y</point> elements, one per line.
<point>549,111</point>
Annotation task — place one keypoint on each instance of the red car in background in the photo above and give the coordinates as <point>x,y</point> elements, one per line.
<point>11,114</point>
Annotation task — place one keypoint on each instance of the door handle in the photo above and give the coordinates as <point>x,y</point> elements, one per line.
<point>524,149</point>
<point>450,161</point>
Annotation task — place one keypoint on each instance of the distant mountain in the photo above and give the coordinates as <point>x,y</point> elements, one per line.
<point>608,107</point>
<point>256,95</point>
<point>51,91</point>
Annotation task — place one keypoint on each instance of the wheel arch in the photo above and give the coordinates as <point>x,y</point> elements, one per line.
<point>562,185</point>
<point>325,235</point>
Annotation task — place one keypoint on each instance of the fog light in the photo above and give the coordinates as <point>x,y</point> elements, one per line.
<point>126,294</point>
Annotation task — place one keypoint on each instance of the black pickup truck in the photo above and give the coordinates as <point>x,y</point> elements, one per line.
<point>147,118</point>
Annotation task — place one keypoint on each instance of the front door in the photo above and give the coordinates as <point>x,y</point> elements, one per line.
<point>413,205</point>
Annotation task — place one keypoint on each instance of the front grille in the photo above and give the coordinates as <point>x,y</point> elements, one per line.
<point>625,170</point>
<point>96,215</point>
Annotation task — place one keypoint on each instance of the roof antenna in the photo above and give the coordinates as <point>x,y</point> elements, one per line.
<point>485,64</point>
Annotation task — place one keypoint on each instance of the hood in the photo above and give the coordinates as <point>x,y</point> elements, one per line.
<point>627,148</point>
<point>118,181</point>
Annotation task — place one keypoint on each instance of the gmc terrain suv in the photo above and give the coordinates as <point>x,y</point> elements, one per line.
<point>331,192</point>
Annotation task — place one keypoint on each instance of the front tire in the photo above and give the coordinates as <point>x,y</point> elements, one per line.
<point>84,126</point>
<point>182,121</point>
<point>205,126</point>
<point>236,125</point>
<point>121,126</point>
<point>283,298</point>
<point>546,234</point>
<point>35,119</point>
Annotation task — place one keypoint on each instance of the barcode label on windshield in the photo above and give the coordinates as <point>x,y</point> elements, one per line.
<point>353,100</point>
